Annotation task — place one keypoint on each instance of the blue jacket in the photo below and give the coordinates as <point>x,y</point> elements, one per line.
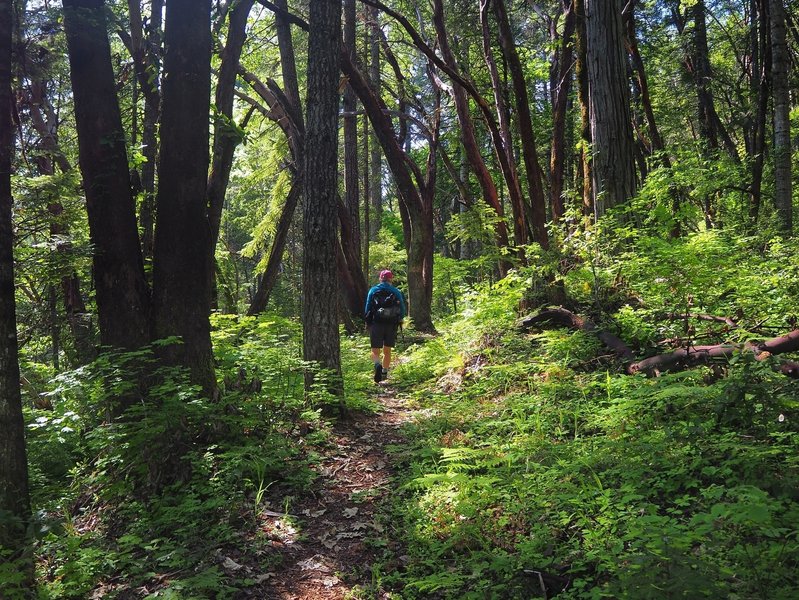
<point>384,286</point>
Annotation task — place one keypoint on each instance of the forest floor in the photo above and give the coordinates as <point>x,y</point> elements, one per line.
<point>322,551</point>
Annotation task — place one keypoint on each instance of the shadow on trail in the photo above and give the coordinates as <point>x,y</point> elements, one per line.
<point>326,547</point>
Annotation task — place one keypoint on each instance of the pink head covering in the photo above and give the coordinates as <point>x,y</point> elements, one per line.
<point>386,275</point>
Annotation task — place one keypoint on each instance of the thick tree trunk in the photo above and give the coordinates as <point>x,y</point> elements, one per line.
<point>14,499</point>
<point>538,213</point>
<point>561,92</point>
<point>613,150</point>
<point>319,284</point>
<point>122,294</point>
<point>420,270</point>
<point>356,287</point>
<point>182,267</point>
<point>782,122</point>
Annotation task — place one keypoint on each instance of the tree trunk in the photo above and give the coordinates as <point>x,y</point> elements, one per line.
<point>14,500</point>
<point>469,138</point>
<point>760,84</point>
<point>226,136</point>
<point>287,111</point>
<point>409,182</point>
<point>581,73</point>
<point>319,284</point>
<point>710,127</point>
<point>538,212</point>
<point>613,150</point>
<point>352,196</point>
<point>182,255</point>
<point>122,295</point>
<point>656,141</point>
<point>145,48</point>
<point>561,92</point>
<point>267,281</point>
<point>375,158</point>
<point>45,122</point>
<point>782,121</point>
<point>503,117</point>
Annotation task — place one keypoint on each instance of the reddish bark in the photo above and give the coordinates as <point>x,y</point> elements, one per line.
<point>692,356</point>
<point>561,96</point>
<point>538,217</point>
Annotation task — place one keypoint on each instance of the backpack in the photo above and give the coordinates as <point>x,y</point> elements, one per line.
<point>386,307</point>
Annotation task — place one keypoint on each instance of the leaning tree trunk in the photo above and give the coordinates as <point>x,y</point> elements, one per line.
<point>375,158</point>
<point>561,91</point>
<point>782,121</point>
<point>503,118</point>
<point>226,138</point>
<point>45,122</point>
<point>286,109</point>
<point>183,269</point>
<point>760,88</point>
<point>14,499</point>
<point>538,212</point>
<point>471,147</point>
<point>409,181</point>
<point>319,284</point>
<point>710,126</point>
<point>145,49</point>
<point>121,289</point>
<point>613,149</point>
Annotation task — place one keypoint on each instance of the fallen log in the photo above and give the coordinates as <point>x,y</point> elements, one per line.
<point>677,360</point>
<point>566,318</point>
<point>692,356</point>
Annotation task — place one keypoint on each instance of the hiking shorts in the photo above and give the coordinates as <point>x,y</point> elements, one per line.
<point>383,334</point>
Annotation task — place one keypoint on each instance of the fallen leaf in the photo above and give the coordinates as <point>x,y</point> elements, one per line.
<point>313,564</point>
<point>350,512</point>
<point>231,565</point>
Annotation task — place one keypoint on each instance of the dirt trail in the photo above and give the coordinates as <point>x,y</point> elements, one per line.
<point>327,557</point>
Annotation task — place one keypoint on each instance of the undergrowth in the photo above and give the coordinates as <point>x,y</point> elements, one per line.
<point>165,501</point>
<point>541,469</point>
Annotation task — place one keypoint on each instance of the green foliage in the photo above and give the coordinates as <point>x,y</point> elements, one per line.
<point>163,491</point>
<point>539,464</point>
<point>387,252</point>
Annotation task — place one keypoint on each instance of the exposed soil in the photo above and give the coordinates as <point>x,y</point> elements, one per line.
<point>321,549</point>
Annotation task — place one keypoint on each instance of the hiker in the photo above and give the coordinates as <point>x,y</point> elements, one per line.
<point>384,312</point>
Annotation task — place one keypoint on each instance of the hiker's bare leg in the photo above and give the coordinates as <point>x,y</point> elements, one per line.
<point>386,357</point>
<point>375,355</point>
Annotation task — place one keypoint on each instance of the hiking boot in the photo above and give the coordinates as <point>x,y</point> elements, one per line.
<point>384,376</point>
<point>378,372</point>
